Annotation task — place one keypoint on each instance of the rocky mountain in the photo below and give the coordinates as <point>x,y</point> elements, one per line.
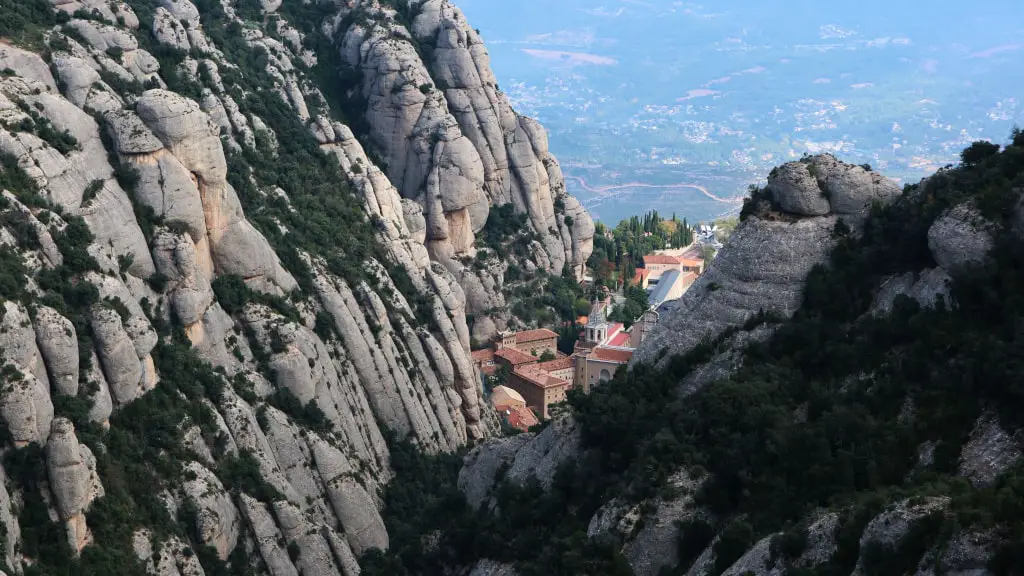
<point>234,273</point>
<point>837,394</point>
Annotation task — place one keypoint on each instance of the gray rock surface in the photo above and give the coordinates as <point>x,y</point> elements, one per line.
<point>174,557</point>
<point>26,409</point>
<point>269,540</point>
<point>725,362</point>
<point>926,287</point>
<point>217,519</point>
<point>989,452</point>
<point>452,142</point>
<point>655,545</point>
<point>890,526</point>
<point>795,189</point>
<point>122,368</point>
<point>71,469</point>
<point>523,456</point>
<point>352,504</point>
<point>492,568</point>
<point>9,517</point>
<point>18,342</point>
<point>960,237</point>
<point>967,553</point>
<point>315,555</point>
<point>766,260</point>
<point>236,246</point>
<point>58,345</point>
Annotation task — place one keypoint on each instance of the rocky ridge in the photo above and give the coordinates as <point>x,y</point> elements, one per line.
<point>129,210</point>
<point>452,143</point>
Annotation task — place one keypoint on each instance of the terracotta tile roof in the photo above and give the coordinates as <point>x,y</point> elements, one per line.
<point>692,263</point>
<point>538,377</point>
<point>660,259</point>
<point>611,355</point>
<point>534,335</point>
<point>519,418</point>
<point>515,357</point>
<point>641,273</point>
<point>559,364</point>
<point>483,356</point>
<point>620,339</point>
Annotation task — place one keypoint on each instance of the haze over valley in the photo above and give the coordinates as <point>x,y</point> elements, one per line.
<point>642,95</point>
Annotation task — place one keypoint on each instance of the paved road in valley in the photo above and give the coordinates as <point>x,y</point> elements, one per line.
<point>605,191</point>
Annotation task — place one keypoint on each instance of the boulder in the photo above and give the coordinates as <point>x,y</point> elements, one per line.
<point>217,519</point>
<point>71,469</point>
<point>795,189</point>
<point>58,344</point>
<point>960,237</point>
<point>25,408</point>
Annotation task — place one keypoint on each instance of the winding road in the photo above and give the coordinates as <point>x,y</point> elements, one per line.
<point>605,191</point>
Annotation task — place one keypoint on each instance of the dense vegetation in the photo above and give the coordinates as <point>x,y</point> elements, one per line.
<point>542,533</point>
<point>826,393</point>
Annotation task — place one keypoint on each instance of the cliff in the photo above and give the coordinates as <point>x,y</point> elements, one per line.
<point>217,309</point>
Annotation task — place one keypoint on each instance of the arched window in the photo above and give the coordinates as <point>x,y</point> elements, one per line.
<point>605,375</point>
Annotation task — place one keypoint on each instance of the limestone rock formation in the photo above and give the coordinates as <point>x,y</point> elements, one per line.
<point>71,468</point>
<point>268,537</point>
<point>524,455</point>
<point>58,345</point>
<point>967,553</point>
<point>451,140</point>
<point>765,262</point>
<point>886,529</point>
<point>926,288</point>
<point>173,558</point>
<point>217,520</point>
<point>352,504</point>
<point>652,547</point>
<point>128,122</point>
<point>959,238</point>
<point>236,247</point>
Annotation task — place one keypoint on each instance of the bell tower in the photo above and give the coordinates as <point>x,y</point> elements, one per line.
<point>597,326</point>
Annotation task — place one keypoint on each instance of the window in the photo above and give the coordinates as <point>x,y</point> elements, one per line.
<point>605,375</point>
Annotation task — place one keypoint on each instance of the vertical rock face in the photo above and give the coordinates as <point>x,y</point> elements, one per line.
<point>451,140</point>
<point>58,344</point>
<point>71,468</point>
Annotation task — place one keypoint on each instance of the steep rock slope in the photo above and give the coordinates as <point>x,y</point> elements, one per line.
<point>451,141</point>
<point>216,308</point>
<point>787,229</point>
